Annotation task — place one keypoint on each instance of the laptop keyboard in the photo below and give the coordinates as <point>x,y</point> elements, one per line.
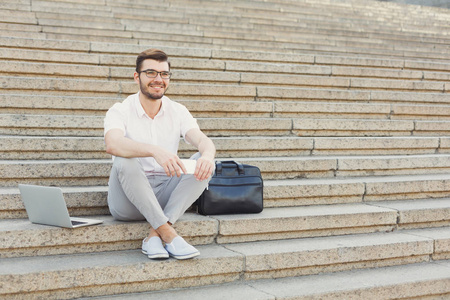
<point>78,223</point>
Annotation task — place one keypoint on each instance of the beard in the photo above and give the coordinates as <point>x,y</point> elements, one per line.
<point>145,90</point>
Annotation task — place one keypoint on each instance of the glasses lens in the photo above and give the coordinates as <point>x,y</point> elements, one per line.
<point>165,75</point>
<point>151,73</point>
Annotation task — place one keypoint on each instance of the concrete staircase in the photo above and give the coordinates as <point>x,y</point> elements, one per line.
<point>344,105</point>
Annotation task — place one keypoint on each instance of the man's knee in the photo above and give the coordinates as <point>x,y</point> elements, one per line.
<point>125,165</point>
<point>196,156</point>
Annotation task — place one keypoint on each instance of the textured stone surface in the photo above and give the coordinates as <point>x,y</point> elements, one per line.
<point>393,165</point>
<point>390,96</point>
<point>307,192</point>
<point>337,111</point>
<point>331,110</point>
<point>432,128</point>
<point>278,223</point>
<point>343,127</point>
<point>438,112</point>
<point>420,213</point>
<point>441,237</point>
<point>408,187</point>
<point>382,283</point>
<point>297,93</point>
<point>297,257</point>
<point>29,239</point>
<point>84,274</point>
<point>376,145</point>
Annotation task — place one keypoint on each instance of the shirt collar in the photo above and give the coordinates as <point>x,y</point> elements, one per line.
<point>140,110</point>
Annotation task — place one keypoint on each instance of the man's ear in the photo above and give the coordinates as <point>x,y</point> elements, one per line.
<point>136,77</point>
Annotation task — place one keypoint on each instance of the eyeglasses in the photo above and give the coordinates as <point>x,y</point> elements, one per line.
<point>153,74</point>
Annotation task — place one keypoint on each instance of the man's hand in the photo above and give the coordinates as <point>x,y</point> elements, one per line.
<point>204,168</point>
<point>205,164</point>
<point>170,162</point>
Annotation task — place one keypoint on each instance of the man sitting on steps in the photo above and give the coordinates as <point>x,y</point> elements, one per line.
<point>146,180</point>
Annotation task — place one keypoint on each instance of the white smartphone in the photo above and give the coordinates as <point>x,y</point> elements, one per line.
<point>189,164</point>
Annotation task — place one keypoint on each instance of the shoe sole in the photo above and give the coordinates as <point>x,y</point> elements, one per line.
<point>187,256</point>
<point>156,256</point>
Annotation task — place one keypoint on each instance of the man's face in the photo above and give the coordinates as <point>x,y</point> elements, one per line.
<point>152,88</point>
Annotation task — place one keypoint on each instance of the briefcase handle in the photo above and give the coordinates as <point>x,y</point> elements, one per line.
<point>219,166</point>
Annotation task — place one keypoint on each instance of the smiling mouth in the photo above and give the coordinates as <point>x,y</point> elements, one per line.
<point>157,87</point>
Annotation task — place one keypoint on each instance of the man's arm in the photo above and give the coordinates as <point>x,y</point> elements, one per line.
<point>119,145</point>
<point>205,164</point>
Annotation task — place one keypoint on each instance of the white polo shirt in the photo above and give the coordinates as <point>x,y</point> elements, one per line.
<point>172,122</point>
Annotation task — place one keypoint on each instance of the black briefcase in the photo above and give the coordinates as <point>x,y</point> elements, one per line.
<point>235,188</point>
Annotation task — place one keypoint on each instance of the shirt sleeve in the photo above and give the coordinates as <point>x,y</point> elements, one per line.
<point>115,118</point>
<point>188,122</point>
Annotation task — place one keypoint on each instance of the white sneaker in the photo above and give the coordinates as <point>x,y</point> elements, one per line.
<point>180,249</point>
<point>154,248</point>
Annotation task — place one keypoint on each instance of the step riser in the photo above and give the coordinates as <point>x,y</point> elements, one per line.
<point>72,71</point>
<point>139,276</point>
<point>338,254</point>
<point>275,195</point>
<point>370,70</point>
<point>93,126</point>
<point>316,194</point>
<point>42,105</point>
<point>67,173</point>
<point>23,148</point>
<point>425,280</point>
<point>43,240</point>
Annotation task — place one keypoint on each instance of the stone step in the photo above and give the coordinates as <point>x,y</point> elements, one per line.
<point>326,23</point>
<point>347,127</point>
<point>29,147</point>
<point>124,54</point>
<point>422,280</point>
<point>72,71</point>
<point>60,105</point>
<point>322,39</point>
<point>21,5</point>
<point>60,125</point>
<point>67,7</point>
<point>348,166</point>
<point>261,28</point>
<point>282,193</point>
<point>29,239</point>
<point>18,17</point>
<point>337,219</point>
<point>323,65</point>
<point>272,259</point>
<point>54,277</point>
<point>265,93</point>
<point>230,41</point>
<point>91,199</point>
<point>95,172</point>
<point>97,106</point>
<point>249,11</point>
<point>49,148</point>
<point>113,25</point>
<point>185,91</point>
<point>77,15</point>
<point>21,238</point>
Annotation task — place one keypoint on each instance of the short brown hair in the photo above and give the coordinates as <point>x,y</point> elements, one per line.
<point>154,54</point>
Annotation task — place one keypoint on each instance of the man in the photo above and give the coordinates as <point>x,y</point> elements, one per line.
<point>146,180</point>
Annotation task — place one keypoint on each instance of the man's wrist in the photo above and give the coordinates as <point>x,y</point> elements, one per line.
<point>208,156</point>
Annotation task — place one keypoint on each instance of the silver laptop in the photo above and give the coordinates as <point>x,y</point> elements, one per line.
<point>46,205</point>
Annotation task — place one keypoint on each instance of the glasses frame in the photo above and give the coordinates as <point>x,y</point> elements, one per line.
<point>157,73</point>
